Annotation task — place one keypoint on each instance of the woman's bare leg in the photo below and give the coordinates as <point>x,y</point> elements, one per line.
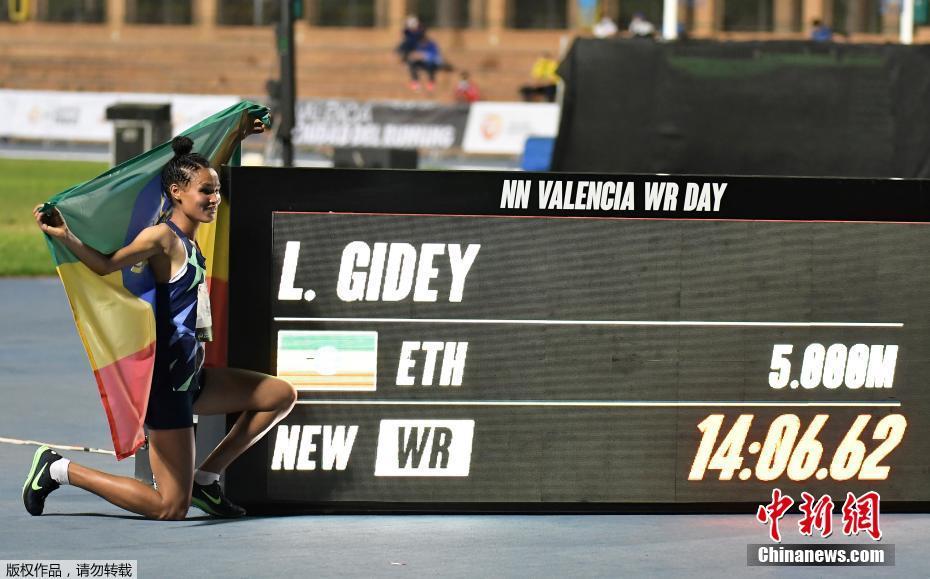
<point>171,454</point>
<point>263,400</point>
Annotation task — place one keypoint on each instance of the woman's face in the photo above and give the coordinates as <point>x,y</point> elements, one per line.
<point>200,199</point>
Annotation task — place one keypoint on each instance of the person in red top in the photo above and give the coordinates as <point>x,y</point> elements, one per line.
<point>466,91</point>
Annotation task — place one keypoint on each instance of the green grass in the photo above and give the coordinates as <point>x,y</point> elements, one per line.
<point>23,185</point>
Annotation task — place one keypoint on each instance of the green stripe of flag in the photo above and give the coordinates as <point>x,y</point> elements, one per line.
<point>344,342</point>
<point>99,211</point>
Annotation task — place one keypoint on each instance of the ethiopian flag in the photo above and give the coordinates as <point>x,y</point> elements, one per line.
<point>115,314</point>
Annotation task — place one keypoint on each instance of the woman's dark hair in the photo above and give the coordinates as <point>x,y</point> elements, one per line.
<point>183,165</point>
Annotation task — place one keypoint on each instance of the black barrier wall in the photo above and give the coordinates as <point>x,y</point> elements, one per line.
<point>478,340</point>
<point>746,108</point>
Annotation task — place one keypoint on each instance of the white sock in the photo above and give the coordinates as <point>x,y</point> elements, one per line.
<point>204,478</point>
<point>59,471</point>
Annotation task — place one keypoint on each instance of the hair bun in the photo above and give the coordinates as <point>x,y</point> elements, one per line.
<point>182,145</point>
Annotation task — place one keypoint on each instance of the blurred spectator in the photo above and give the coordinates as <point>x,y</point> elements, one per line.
<point>545,80</point>
<point>413,34</point>
<point>640,27</point>
<point>821,32</point>
<point>605,27</point>
<point>466,91</point>
<point>425,56</point>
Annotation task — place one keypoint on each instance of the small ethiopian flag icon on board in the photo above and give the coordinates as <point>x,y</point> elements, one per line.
<point>328,361</point>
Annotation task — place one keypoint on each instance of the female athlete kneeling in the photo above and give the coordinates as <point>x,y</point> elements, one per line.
<point>180,386</point>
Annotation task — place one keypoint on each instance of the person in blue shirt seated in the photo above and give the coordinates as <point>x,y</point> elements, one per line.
<point>412,35</point>
<point>426,57</point>
<point>821,32</point>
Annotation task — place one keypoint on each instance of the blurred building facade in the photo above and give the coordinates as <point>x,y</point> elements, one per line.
<point>346,47</point>
<point>698,17</point>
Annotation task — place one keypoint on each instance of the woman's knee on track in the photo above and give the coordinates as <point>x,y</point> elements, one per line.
<point>173,510</point>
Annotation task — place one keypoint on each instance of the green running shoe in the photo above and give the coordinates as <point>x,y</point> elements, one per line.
<point>211,500</point>
<point>39,483</point>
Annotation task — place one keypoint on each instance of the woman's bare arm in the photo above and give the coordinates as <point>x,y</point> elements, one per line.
<point>150,241</point>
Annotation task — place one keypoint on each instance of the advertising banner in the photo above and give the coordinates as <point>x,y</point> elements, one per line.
<point>379,125</point>
<point>502,128</point>
<point>81,116</point>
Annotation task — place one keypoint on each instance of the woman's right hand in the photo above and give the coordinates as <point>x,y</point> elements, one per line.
<point>52,224</point>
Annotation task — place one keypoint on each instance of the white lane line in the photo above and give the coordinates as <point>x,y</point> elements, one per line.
<point>22,442</point>
<point>601,403</point>
<point>599,322</point>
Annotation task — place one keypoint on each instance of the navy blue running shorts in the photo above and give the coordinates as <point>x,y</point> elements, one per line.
<point>170,408</point>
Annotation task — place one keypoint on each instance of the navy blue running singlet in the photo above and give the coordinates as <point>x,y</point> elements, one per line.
<point>177,380</point>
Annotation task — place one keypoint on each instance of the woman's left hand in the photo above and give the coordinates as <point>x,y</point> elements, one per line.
<point>257,127</point>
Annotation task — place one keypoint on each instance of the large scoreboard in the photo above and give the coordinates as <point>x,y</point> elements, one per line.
<point>491,340</point>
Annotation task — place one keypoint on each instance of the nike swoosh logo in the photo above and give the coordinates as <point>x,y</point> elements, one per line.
<point>212,500</point>
<point>36,479</point>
